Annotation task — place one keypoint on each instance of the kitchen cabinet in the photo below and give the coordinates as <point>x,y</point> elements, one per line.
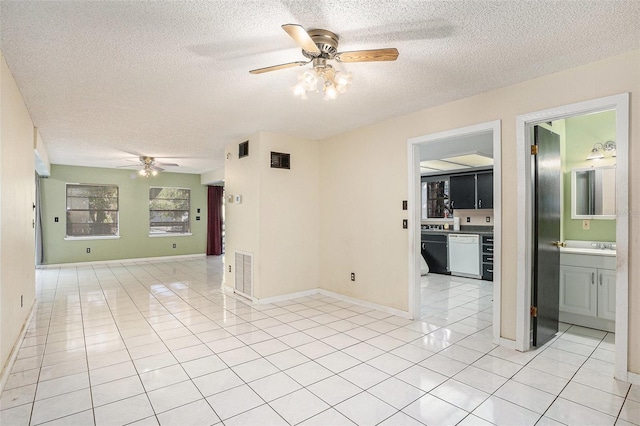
<point>434,249</point>
<point>462,190</point>
<point>471,191</point>
<point>484,186</point>
<point>487,257</point>
<point>588,290</point>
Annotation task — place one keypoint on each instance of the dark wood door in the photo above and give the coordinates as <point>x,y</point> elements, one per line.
<point>546,233</point>
<point>484,184</point>
<point>462,191</point>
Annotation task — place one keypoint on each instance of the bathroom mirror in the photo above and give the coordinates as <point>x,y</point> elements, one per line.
<point>593,193</point>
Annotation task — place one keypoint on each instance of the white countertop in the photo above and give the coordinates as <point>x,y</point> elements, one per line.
<point>588,251</point>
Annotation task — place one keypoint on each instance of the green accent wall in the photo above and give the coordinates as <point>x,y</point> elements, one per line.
<point>581,133</point>
<point>134,241</point>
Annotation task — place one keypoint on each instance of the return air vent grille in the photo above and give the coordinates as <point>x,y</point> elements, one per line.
<point>280,160</point>
<point>244,273</point>
<point>243,149</point>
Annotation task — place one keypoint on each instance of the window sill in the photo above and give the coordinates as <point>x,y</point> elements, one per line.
<point>169,234</point>
<point>93,237</point>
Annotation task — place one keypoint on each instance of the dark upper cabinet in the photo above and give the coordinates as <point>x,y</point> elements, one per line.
<point>484,184</point>
<point>471,191</point>
<point>462,191</point>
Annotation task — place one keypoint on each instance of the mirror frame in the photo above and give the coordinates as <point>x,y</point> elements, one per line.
<point>574,215</point>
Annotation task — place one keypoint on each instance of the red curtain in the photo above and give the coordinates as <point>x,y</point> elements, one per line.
<point>214,220</point>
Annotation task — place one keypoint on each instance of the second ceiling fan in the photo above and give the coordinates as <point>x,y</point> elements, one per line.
<point>320,46</point>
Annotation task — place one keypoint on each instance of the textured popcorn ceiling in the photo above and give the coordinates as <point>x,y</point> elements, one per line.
<point>107,80</point>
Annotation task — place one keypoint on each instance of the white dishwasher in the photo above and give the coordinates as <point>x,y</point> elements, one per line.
<point>464,255</point>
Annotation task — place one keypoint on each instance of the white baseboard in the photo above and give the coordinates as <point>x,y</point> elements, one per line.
<point>6,371</point>
<point>387,309</point>
<point>307,293</point>
<point>506,343</point>
<point>633,378</point>
<point>288,296</point>
<point>116,261</point>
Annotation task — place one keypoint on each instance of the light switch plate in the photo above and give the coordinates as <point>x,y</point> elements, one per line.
<point>586,224</point>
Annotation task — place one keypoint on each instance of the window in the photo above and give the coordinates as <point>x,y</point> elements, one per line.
<point>435,197</point>
<point>169,210</point>
<point>92,210</point>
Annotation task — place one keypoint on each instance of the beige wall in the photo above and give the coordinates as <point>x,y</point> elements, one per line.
<point>17,188</point>
<point>364,178</point>
<point>278,218</point>
<point>242,226</point>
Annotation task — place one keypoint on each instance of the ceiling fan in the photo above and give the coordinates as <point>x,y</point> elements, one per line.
<point>320,46</point>
<point>150,167</point>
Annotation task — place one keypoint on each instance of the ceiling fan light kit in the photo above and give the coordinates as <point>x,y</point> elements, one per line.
<point>150,167</point>
<point>320,46</point>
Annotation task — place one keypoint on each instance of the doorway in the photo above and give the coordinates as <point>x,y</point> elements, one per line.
<point>526,235</point>
<point>431,142</point>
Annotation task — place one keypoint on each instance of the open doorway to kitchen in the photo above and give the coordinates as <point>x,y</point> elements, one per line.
<point>604,274</point>
<point>450,169</point>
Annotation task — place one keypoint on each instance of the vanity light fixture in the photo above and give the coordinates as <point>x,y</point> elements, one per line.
<point>600,149</point>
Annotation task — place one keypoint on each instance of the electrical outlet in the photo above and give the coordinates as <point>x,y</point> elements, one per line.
<point>197,217</point>
<point>229,268</point>
<point>88,250</point>
<point>405,223</point>
<point>404,205</point>
<point>586,224</point>
<point>468,219</point>
<point>56,219</point>
<point>353,276</point>
<point>488,218</point>
<point>198,211</point>
<point>174,245</point>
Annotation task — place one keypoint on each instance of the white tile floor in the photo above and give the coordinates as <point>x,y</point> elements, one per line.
<point>159,343</point>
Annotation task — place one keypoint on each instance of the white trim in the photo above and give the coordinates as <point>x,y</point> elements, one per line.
<point>633,378</point>
<point>93,237</point>
<point>413,158</point>
<point>619,103</point>
<point>186,234</point>
<point>342,297</point>
<point>507,343</point>
<point>383,308</point>
<point>4,374</point>
<point>116,261</point>
<point>414,212</point>
<point>284,297</point>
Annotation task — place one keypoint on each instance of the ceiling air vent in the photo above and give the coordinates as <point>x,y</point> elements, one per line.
<point>243,149</point>
<point>280,160</point>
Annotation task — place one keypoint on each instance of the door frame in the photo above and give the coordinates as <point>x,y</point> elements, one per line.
<point>620,104</point>
<point>414,214</point>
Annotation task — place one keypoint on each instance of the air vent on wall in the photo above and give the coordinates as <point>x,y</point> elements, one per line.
<point>243,149</point>
<point>244,274</point>
<point>280,160</point>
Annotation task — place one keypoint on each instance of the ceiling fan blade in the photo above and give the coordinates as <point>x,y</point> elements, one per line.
<point>166,164</point>
<point>156,168</point>
<point>278,67</point>
<point>300,35</point>
<point>374,55</point>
